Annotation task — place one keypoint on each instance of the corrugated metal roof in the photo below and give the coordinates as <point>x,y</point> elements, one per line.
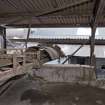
<point>46,13</point>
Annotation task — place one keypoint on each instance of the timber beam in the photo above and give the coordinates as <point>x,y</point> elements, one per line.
<point>3,34</point>
<point>97,11</point>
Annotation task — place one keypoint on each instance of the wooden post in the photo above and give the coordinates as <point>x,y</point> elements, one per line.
<point>92,46</point>
<point>14,61</point>
<point>3,34</point>
<point>24,58</point>
<point>28,34</point>
<point>4,37</point>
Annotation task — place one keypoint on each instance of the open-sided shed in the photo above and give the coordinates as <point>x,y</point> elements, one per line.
<point>53,13</point>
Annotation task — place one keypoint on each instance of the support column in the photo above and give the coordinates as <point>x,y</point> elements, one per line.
<point>92,46</point>
<point>3,34</point>
<point>4,37</point>
<point>28,34</point>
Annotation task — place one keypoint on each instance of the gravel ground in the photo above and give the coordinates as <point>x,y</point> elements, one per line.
<point>27,91</point>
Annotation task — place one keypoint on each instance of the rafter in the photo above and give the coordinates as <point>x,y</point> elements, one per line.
<point>33,14</point>
<point>66,6</point>
<point>50,25</point>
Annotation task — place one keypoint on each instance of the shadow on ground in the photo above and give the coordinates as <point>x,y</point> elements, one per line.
<point>29,92</point>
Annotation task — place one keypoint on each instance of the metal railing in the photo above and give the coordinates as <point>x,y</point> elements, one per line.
<point>68,37</point>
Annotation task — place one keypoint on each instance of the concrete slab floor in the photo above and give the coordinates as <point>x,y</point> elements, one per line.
<point>27,91</point>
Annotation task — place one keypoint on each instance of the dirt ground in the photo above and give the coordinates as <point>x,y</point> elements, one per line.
<point>26,91</point>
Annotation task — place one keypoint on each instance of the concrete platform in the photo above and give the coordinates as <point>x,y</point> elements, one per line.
<point>66,73</point>
<point>27,91</point>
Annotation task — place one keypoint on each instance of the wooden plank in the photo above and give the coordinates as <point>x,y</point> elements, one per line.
<point>13,72</point>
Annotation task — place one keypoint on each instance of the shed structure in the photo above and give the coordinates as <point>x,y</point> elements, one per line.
<point>53,13</point>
